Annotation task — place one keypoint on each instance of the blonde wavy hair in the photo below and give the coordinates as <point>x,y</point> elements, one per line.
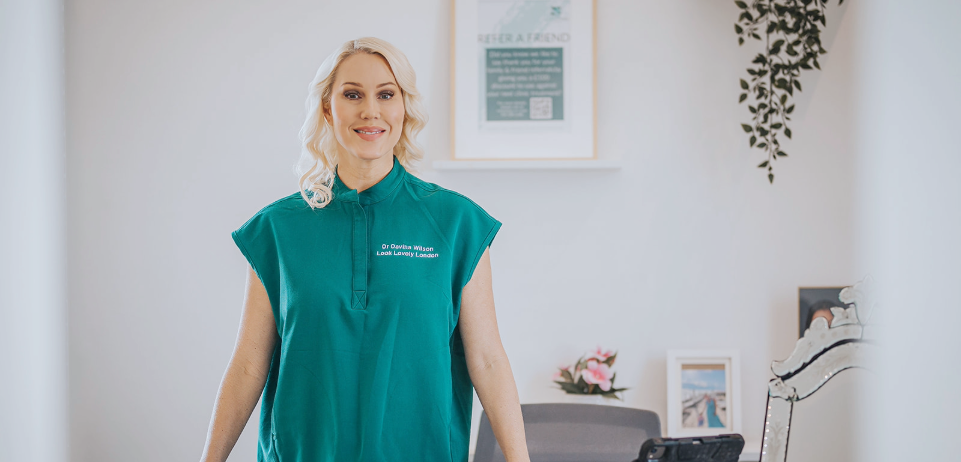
<point>319,151</point>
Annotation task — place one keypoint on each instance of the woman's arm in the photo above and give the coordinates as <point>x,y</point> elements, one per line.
<point>488,365</point>
<point>246,373</point>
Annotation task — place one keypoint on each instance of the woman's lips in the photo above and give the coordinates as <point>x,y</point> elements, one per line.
<point>369,133</point>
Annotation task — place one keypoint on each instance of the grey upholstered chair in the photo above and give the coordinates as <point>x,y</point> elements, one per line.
<point>562,432</point>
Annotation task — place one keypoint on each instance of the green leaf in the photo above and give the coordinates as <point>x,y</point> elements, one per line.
<point>753,140</point>
<point>752,109</point>
<point>783,99</point>
<point>738,29</point>
<point>762,164</point>
<point>762,145</point>
<point>566,374</point>
<point>770,178</point>
<point>742,98</point>
<point>782,153</point>
<point>747,128</point>
<point>571,388</point>
<point>776,126</point>
<point>762,131</point>
<point>789,109</point>
<point>787,132</point>
<point>744,84</point>
<point>740,41</point>
<point>797,84</point>
<point>741,4</point>
<point>777,44</point>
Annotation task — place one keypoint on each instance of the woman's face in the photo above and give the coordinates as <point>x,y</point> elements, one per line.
<point>366,107</point>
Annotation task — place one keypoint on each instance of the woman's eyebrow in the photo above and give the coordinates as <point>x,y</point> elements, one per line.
<point>361,86</point>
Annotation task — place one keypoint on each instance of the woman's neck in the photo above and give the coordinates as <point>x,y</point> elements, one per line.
<point>361,174</point>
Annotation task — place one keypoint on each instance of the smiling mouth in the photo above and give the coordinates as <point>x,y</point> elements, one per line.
<point>370,132</point>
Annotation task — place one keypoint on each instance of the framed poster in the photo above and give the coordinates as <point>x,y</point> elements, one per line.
<point>523,80</point>
<point>703,392</point>
<point>816,302</point>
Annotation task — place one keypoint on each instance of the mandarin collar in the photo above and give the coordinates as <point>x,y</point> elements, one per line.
<point>373,194</point>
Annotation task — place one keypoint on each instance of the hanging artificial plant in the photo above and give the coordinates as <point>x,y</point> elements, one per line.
<point>791,32</point>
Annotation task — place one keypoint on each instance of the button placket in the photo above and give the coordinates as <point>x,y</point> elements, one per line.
<point>359,258</point>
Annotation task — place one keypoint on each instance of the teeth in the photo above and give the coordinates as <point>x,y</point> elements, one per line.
<point>368,133</point>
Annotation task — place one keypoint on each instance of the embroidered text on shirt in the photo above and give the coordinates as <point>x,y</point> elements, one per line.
<point>404,250</point>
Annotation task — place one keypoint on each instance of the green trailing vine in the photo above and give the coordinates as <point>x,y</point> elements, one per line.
<point>791,32</point>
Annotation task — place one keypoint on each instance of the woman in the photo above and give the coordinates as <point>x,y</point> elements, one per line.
<point>369,311</point>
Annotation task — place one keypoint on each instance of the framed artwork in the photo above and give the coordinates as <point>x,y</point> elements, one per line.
<point>703,392</point>
<point>523,81</point>
<point>816,302</point>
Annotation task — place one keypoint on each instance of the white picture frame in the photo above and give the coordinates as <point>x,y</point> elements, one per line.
<point>703,392</point>
<point>546,107</point>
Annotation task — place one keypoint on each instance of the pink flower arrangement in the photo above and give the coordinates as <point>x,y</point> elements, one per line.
<point>590,375</point>
<point>599,375</point>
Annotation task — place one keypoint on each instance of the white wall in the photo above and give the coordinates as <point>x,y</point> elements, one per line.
<point>910,219</point>
<point>33,315</point>
<point>182,122</point>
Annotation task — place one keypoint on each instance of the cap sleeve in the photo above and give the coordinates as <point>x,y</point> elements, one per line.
<point>256,241</point>
<point>475,232</point>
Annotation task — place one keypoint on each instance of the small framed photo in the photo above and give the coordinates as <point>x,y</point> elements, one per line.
<point>523,79</point>
<point>703,392</point>
<point>816,302</point>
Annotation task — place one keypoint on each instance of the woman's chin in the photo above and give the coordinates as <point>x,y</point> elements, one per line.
<point>369,156</point>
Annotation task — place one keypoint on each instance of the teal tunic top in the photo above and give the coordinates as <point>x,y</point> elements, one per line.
<point>366,292</point>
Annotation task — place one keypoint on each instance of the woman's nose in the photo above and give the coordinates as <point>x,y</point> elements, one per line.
<point>370,110</point>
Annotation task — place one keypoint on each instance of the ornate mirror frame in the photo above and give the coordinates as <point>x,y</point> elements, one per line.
<point>823,352</point>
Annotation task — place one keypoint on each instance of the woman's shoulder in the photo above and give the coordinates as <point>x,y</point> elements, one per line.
<point>434,195</point>
<point>292,202</point>
<point>286,206</point>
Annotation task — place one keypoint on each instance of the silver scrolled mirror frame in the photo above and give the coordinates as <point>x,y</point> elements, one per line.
<point>823,352</point>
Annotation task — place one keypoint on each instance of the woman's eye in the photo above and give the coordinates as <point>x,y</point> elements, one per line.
<point>387,95</point>
<point>351,95</point>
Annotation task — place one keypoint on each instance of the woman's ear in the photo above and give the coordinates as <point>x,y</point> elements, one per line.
<point>325,109</point>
